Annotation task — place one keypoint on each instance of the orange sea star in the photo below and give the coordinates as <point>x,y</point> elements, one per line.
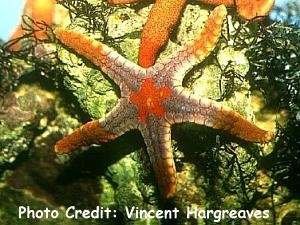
<point>165,13</point>
<point>39,11</point>
<point>153,99</point>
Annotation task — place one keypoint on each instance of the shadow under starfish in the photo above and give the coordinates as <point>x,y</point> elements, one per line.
<point>153,99</point>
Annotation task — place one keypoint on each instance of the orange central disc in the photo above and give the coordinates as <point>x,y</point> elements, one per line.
<point>149,99</point>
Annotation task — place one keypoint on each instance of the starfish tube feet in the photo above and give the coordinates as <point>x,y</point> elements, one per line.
<point>162,18</point>
<point>89,133</point>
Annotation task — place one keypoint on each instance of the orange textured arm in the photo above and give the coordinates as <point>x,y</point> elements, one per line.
<point>102,56</point>
<point>247,9</point>
<point>163,17</point>
<point>119,2</point>
<point>161,156</point>
<point>227,3</point>
<point>39,11</point>
<point>232,122</point>
<point>89,133</point>
<point>212,114</point>
<point>43,11</point>
<point>250,9</point>
<point>197,51</point>
<point>16,34</point>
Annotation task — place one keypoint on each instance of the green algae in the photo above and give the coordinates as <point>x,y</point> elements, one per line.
<point>13,143</point>
<point>214,170</point>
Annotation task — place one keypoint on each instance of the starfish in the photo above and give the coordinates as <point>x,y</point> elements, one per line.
<point>38,10</point>
<point>165,13</point>
<point>153,99</point>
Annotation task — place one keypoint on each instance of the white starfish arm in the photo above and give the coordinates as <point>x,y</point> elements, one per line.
<point>176,66</point>
<point>157,137</point>
<point>122,71</point>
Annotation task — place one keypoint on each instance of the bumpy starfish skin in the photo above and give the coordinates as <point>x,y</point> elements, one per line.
<point>247,9</point>
<point>117,2</point>
<point>153,99</point>
<point>165,13</point>
<point>161,20</point>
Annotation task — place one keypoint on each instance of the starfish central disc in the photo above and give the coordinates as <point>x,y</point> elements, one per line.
<point>149,99</point>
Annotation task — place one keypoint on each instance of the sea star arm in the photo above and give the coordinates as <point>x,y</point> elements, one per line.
<point>39,11</point>
<point>122,71</point>
<point>162,18</point>
<point>184,107</point>
<point>120,120</point>
<point>165,13</point>
<point>119,2</point>
<point>89,133</point>
<point>157,137</point>
<point>248,9</point>
<point>177,65</point>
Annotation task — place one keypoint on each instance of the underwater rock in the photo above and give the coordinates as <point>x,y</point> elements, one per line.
<point>19,112</point>
<point>94,93</point>
<point>128,186</point>
<point>12,143</point>
<point>12,199</point>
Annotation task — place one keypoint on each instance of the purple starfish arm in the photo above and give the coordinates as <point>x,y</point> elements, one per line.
<point>184,107</point>
<point>121,70</point>
<point>122,118</point>
<point>157,136</point>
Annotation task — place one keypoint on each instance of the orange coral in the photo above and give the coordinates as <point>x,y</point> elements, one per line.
<point>39,11</point>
